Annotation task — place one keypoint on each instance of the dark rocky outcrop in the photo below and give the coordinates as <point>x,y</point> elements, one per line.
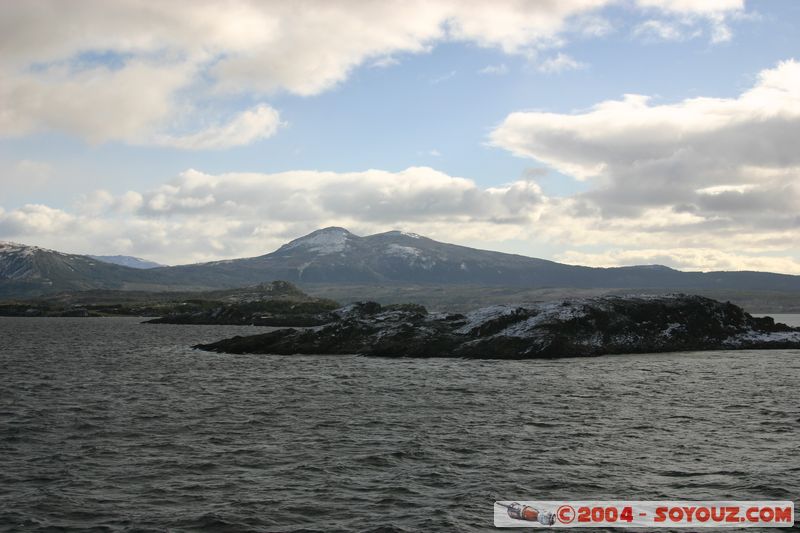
<point>275,313</point>
<point>608,325</point>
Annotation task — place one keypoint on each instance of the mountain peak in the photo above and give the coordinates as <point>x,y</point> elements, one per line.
<point>12,245</point>
<point>24,249</point>
<point>331,230</point>
<point>324,241</point>
<point>334,255</point>
<point>398,233</point>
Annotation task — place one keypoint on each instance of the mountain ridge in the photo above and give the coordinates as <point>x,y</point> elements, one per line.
<point>128,261</point>
<point>334,255</point>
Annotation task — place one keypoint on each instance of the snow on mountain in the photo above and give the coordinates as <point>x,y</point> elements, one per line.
<point>23,250</point>
<point>336,256</point>
<point>32,271</point>
<point>324,241</point>
<point>127,260</point>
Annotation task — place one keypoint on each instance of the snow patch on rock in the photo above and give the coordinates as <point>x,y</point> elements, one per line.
<point>548,313</point>
<point>671,329</point>
<point>750,337</point>
<point>479,317</point>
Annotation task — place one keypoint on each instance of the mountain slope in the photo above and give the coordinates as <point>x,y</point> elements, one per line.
<point>32,271</point>
<point>127,260</point>
<point>336,256</point>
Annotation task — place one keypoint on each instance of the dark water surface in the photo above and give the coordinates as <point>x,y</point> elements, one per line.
<point>112,425</point>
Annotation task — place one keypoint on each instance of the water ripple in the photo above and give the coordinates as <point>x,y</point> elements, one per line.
<point>112,425</point>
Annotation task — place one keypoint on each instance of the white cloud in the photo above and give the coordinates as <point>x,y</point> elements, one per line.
<point>35,219</point>
<point>693,179</point>
<point>130,202</point>
<point>202,216</point>
<point>592,26</point>
<point>95,202</point>
<point>687,14</point>
<point>619,136</point>
<point>127,70</point>
<point>702,173</point>
<point>723,189</point>
<point>97,103</point>
<point>688,178</point>
<point>258,123</point>
<point>444,77</point>
<point>694,7</point>
<point>385,62</point>
<point>495,70</point>
<point>663,30</point>
<point>199,216</point>
<point>368,196</point>
<point>559,63</point>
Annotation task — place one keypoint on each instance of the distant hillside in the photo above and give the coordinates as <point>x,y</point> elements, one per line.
<point>28,271</point>
<point>127,260</point>
<point>334,256</point>
<point>275,301</point>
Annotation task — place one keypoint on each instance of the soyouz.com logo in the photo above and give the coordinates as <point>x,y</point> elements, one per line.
<point>673,514</point>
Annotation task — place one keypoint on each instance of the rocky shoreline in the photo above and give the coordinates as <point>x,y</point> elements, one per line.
<point>276,313</point>
<point>584,327</point>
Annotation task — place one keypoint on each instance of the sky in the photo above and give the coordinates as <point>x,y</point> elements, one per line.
<point>596,132</point>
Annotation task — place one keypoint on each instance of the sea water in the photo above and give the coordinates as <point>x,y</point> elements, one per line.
<point>108,424</point>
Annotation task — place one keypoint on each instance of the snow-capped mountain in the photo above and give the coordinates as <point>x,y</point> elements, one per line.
<point>335,256</point>
<point>31,271</point>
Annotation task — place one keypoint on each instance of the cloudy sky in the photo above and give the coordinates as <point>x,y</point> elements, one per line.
<point>599,132</point>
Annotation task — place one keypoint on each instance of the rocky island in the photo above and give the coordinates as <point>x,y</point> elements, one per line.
<point>584,327</point>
